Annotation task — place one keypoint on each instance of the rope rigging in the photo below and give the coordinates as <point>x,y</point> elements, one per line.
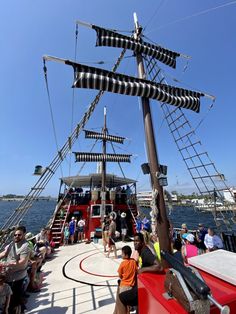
<point>201,168</point>
<point>50,108</point>
<point>15,218</point>
<point>191,87</point>
<point>73,90</point>
<point>154,14</point>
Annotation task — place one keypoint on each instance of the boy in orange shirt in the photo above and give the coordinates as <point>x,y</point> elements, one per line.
<point>127,270</point>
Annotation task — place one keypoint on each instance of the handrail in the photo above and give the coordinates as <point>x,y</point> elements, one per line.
<point>67,212</point>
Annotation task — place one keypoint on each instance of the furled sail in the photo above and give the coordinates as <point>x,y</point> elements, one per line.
<point>101,136</point>
<point>97,157</point>
<point>95,78</point>
<point>110,38</point>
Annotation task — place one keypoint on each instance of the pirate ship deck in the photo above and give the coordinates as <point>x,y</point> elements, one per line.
<point>150,85</point>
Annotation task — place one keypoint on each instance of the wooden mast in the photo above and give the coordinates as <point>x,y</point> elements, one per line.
<point>103,188</point>
<point>162,221</point>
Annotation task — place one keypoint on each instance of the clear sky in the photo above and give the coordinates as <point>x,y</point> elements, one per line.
<point>31,29</point>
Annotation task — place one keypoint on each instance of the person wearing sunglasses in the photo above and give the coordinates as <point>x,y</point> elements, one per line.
<point>16,256</point>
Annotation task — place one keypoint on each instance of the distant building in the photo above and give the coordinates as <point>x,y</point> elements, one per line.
<point>198,201</point>
<point>145,197</point>
<point>230,195</point>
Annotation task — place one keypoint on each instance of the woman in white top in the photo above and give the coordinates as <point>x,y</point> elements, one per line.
<point>81,224</point>
<point>212,241</point>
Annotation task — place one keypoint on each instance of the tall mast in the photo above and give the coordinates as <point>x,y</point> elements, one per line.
<point>103,189</point>
<point>162,221</point>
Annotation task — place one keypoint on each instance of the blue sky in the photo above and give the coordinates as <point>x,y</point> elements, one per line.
<point>31,29</point>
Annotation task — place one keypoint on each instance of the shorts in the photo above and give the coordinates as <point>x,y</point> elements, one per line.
<point>124,288</point>
<point>129,297</point>
<point>17,293</point>
<point>80,229</point>
<point>123,231</point>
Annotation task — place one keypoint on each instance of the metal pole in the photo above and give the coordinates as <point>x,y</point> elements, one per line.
<point>162,221</point>
<point>224,309</point>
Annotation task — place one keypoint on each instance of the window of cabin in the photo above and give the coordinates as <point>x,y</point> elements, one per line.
<point>108,209</point>
<point>96,210</point>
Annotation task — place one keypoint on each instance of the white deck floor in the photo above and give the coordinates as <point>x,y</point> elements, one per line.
<point>85,263</point>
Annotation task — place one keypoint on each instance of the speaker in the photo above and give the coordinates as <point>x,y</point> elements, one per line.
<point>163,169</point>
<point>145,168</point>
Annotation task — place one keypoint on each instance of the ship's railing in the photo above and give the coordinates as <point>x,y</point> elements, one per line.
<point>65,219</point>
<point>57,208</point>
<point>229,240</point>
<point>78,198</point>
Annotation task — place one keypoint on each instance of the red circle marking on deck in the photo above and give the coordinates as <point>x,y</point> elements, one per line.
<point>88,272</point>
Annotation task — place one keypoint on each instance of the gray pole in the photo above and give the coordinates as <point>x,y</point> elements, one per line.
<point>162,221</point>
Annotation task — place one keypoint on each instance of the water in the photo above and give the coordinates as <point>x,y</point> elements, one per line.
<point>36,218</point>
<point>190,216</point>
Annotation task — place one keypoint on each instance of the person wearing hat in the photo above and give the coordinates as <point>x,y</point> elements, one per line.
<point>35,263</point>
<point>123,224</point>
<point>201,232</point>
<point>189,249</point>
<point>29,237</point>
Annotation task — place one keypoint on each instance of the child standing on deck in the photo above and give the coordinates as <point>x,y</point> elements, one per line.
<point>127,270</point>
<point>66,234</point>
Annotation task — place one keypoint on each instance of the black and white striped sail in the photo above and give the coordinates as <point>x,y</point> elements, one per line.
<point>110,38</point>
<point>95,78</point>
<point>98,157</point>
<point>101,136</point>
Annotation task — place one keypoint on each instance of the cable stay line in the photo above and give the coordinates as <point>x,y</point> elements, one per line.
<point>194,15</point>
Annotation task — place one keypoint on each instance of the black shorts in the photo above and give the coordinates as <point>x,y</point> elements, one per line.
<point>130,297</point>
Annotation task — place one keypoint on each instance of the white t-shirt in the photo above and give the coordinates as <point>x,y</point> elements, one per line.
<point>81,223</point>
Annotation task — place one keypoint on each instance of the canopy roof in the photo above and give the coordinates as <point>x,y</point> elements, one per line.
<point>95,179</point>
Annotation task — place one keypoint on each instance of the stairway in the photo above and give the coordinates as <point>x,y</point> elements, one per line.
<point>57,229</point>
